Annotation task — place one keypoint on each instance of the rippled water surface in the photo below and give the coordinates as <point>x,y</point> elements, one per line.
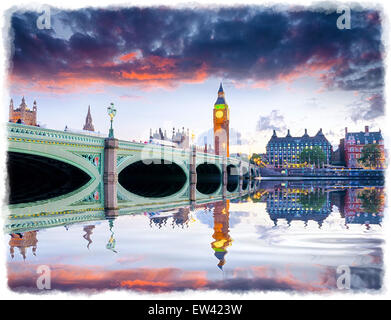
<point>283,236</point>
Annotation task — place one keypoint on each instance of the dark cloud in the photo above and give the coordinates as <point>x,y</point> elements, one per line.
<point>368,107</point>
<point>376,107</point>
<point>370,79</point>
<point>167,46</point>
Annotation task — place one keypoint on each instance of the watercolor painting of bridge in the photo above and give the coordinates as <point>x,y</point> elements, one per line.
<point>195,149</point>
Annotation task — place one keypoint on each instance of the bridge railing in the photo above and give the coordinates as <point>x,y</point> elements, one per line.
<point>17,130</point>
<point>152,151</point>
<point>32,133</point>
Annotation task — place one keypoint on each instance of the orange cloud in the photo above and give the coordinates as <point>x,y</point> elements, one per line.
<point>261,84</point>
<point>145,76</point>
<point>150,72</point>
<point>69,277</point>
<point>314,68</point>
<point>129,56</point>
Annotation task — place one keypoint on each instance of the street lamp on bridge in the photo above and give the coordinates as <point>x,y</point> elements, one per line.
<point>111,111</point>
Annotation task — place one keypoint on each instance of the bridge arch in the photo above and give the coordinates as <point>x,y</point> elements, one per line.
<point>252,172</point>
<point>246,178</point>
<point>208,178</point>
<point>232,177</point>
<point>152,178</point>
<point>34,176</point>
<point>245,184</point>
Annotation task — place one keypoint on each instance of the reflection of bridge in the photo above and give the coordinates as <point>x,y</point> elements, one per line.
<point>146,173</point>
<point>25,220</point>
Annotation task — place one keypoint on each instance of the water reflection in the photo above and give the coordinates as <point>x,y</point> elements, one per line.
<point>298,204</point>
<point>23,241</point>
<point>179,218</point>
<point>221,231</point>
<point>358,204</point>
<point>88,229</point>
<point>284,236</point>
<point>364,206</point>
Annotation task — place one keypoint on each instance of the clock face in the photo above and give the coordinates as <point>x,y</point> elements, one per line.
<point>219,114</point>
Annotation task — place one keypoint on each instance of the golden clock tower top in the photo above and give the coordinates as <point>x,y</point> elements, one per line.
<point>221,124</point>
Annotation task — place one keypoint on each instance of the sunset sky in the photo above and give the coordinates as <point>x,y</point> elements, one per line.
<point>281,67</point>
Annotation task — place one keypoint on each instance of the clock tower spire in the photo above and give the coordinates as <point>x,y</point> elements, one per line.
<point>221,124</point>
<point>88,125</point>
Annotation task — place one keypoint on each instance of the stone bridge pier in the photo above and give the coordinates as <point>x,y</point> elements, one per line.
<point>110,176</point>
<point>193,175</point>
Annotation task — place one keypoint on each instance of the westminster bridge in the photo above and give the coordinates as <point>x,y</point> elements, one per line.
<point>50,169</point>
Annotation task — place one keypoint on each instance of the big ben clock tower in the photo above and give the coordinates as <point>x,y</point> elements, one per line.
<point>221,124</point>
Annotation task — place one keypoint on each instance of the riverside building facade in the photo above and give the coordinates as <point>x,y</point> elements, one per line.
<point>285,151</point>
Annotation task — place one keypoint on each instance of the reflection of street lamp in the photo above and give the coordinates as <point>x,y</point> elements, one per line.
<point>111,244</point>
<point>111,111</point>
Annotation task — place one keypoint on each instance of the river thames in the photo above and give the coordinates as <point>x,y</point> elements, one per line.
<point>295,236</point>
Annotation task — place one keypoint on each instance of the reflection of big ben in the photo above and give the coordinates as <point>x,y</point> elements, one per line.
<point>221,124</point>
<point>221,231</point>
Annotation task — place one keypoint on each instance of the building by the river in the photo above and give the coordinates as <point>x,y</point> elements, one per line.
<point>282,151</point>
<point>292,204</point>
<point>221,124</point>
<point>23,114</point>
<point>178,139</point>
<point>354,142</point>
<point>364,206</point>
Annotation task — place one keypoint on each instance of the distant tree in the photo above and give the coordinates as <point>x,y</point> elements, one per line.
<point>313,200</point>
<point>370,156</point>
<point>314,156</point>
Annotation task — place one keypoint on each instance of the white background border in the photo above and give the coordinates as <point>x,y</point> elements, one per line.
<point>5,293</point>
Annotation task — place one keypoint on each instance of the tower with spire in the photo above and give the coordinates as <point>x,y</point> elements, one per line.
<point>88,125</point>
<point>23,114</point>
<point>221,124</point>
<point>221,237</point>
<point>23,241</point>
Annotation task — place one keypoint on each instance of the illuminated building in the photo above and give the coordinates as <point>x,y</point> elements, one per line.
<point>354,143</point>
<point>221,231</point>
<point>281,151</point>
<point>298,204</point>
<point>364,206</point>
<point>178,139</point>
<point>23,114</point>
<point>221,124</point>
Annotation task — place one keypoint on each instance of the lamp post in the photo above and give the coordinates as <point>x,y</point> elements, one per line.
<point>111,111</point>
